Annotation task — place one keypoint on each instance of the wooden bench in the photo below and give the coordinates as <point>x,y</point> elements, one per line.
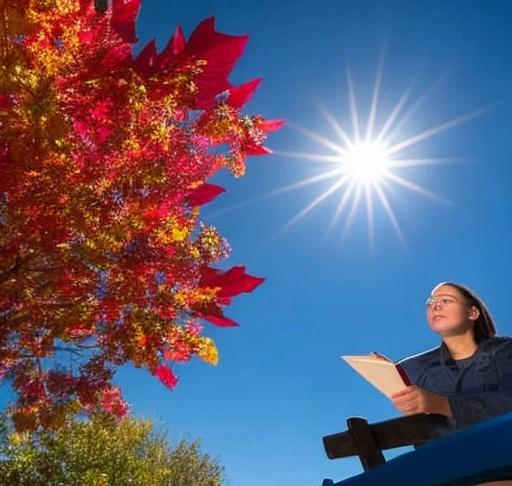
<point>471,456</point>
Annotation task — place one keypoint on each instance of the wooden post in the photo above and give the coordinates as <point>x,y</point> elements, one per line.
<point>368,451</point>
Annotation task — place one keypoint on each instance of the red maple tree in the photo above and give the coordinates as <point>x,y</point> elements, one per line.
<point>104,162</point>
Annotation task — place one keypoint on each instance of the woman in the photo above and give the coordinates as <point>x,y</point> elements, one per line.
<point>469,376</point>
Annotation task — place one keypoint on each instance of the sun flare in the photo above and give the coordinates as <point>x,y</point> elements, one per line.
<point>364,163</point>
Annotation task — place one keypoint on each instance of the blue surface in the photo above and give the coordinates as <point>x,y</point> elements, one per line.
<point>474,455</point>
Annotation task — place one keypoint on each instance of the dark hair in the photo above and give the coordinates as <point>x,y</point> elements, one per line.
<point>483,327</point>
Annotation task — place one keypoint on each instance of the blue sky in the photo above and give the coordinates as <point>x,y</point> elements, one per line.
<point>280,385</point>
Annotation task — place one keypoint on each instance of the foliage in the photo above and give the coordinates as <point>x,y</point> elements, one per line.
<point>103,452</point>
<point>104,160</point>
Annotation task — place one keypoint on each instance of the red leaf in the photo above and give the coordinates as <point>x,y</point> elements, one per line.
<point>124,14</point>
<point>221,52</point>
<point>209,276</point>
<point>166,376</point>
<point>174,47</point>
<point>147,57</point>
<point>233,282</point>
<point>258,150</point>
<point>271,125</point>
<point>204,194</point>
<point>220,321</point>
<point>240,95</point>
<point>205,39</point>
<point>236,281</point>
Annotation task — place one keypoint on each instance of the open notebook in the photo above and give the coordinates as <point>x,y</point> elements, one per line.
<point>381,372</point>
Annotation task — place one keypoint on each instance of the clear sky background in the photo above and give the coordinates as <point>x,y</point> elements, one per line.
<point>280,384</point>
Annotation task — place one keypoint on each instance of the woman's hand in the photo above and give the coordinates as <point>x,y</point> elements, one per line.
<point>414,399</point>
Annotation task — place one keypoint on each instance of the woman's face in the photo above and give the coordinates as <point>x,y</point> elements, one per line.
<point>448,312</point>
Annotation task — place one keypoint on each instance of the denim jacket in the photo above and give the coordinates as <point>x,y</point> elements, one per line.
<point>478,388</point>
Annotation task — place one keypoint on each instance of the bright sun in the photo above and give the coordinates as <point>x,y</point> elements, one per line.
<point>365,164</point>
<point>366,161</point>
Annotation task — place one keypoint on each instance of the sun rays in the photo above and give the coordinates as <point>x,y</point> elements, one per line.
<point>364,162</point>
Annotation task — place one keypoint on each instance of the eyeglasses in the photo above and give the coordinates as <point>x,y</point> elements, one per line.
<point>440,302</point>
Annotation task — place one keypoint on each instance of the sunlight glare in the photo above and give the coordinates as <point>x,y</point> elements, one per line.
<point>369,161</point>
<point>366,161</point>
